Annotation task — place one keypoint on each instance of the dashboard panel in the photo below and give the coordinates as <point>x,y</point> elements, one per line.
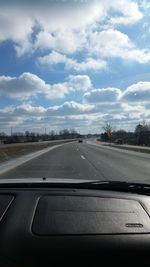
<point>53,226</point>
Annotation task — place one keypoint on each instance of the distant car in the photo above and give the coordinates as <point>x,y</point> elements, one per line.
<point>80,141</point>
<point>118,141</point>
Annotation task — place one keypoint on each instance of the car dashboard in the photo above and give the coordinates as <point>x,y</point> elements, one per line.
<point>52,226</point>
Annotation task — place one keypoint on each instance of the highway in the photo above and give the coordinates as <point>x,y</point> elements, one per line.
<point>87,160</point>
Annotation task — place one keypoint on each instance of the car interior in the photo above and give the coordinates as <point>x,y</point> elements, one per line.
<point>44,225</point>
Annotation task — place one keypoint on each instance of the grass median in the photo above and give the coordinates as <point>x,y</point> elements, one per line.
<point>12,151</point>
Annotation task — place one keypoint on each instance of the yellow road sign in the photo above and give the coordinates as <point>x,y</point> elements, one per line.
<point>109,134</point>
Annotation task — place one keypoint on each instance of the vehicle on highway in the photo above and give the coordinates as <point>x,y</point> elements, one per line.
<point>74,133</point>
<point>118,141</point>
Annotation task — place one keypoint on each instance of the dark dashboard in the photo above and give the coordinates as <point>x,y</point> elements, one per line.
<point>53,226</point>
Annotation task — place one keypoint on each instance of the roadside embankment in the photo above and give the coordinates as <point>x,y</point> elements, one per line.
<point>142,149</point>
<point>12,151</point>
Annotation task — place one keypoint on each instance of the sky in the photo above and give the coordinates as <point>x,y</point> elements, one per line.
<point>74,64</point>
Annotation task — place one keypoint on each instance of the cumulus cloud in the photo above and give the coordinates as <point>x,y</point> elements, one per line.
<point>72,83</point>
<point>69,108</point>
<point>26,115</point>
<point>136,111</point>
<point>62,25</point>
<point>139,92</point>
<point>55,58</point>
<point>79,82</point>
<point>85,117</point>
<point>123,107</point>
<point>109,42</point>
<point>28,85</point>
<point>102,95</point>
<point>64,41</point>
<point>129,10</point>
<point>113,43</point>
<point>24,86</point>
<point>16,26</point>
<point>27,109</point>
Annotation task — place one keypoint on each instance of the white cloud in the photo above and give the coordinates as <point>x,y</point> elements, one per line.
<point>27,116</point>
<point>79,82</point>
<point>61,26</point>
<point>139,92</point>
<point>14,25</point>
<point>72,83</point>
<point>82,116</point>
<point>98,105</point>
<point>109,42</point>
<point>24,86</point>
<point>88,64</point>
<point>55,58</point>
<point>62,41</point>
<point>72,26</point>
<point>64,27</point>
<point>145,4</point>
<point>105,95</point>
<point>130,12</point>
<point>136,111</point>
<point>28,85</point>
<point>113,43</point>
<point>69,108</point>
<point>27,109</point>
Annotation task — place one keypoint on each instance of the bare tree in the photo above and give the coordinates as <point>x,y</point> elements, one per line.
<point>108,128</point>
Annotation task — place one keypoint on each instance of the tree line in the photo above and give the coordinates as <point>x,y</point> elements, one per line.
<point>27,136</point>
<point>140,136</point>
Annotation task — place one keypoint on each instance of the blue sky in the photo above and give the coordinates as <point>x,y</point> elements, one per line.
<point>74,64</point>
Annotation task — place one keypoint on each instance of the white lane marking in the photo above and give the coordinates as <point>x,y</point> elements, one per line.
<point>82,157</point>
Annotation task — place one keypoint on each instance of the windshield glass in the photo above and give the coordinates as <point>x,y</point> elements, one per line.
<point>75,89</point>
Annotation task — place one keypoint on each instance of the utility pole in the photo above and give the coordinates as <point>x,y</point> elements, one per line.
<point>11,131</point>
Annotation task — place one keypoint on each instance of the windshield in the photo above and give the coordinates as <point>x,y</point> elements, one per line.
<point>75,90</point>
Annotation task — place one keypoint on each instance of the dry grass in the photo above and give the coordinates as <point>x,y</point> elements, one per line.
<point>12,151</point>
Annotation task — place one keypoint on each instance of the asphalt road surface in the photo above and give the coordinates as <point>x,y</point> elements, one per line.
<point>87,160</point>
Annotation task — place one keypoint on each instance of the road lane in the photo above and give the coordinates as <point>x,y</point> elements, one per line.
<point>86,160</point>
<point>62,162</point>
<point>117,164</point>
